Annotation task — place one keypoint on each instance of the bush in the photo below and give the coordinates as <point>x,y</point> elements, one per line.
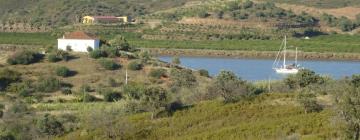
<point>53,58</point>
<point>111,96</point>
<point>157,73</point>
<point>48,84</point>
<point>308,101</point>
<point>7,136</point>
<point>109,64</point>
<point>97,53</point>
<point>203,14</point>
<point>303,78</point>
<point>7,77</point>
<point>89,49</point>
<point>228,86</point>
<point>63,71</point>
<point>49,125</point>
<point>135,65</point>
<point>87,98</point>
<point>111,51</point>
<point>63,55</point>
<point>24,57</point>
<point>182,78</point>
<point>66,91</point>
<point>133,91</point>
<point>204,73</point>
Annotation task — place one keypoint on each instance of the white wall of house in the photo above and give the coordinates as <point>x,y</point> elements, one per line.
<point>78,45</point>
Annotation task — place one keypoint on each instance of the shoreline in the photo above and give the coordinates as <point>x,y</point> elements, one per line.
<point>251,54</point>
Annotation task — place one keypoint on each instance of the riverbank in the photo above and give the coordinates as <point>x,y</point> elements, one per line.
<point>251,54</point>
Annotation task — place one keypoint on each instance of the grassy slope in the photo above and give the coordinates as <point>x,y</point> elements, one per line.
<point>270,116</point>
<point>27,38</point>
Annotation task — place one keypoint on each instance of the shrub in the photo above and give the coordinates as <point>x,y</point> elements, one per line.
<point>157,73</point>
<point>355,80</point>
<point>133,91</point>
<point>87,98</point>
<point>68,48</point>
<point>48,84</point>
<point>97,53</point>
<point>111,51</point>
<point>24,57</point>
<point>182,78</point>
<point>228,86</point>
<point>63,55</point>
<point>89,49</point>
<point>203,14</point>
<point>109,64</point>
<point>66,91</point>
<point>53,58</point>
<point>85,88</point>
<point>111,96</point>
<point>6,136</point>
<point>303,78</point>
<point>135,65</point>
<point>308,101</point>
<point>8,76</point>
<point>63,71</point>
<point>204,73</point>
<point>49,125</point>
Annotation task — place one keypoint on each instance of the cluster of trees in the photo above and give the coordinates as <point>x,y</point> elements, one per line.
<point>343,23</point>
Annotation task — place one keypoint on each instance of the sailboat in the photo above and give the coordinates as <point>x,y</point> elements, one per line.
<point>285,68</point>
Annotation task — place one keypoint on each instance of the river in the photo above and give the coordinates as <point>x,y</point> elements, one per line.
<point>261,69</point>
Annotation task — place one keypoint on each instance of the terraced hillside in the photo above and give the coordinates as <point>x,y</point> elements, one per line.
<point>31,15</point>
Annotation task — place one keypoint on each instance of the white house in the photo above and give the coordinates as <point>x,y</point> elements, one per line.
<point>78,42</point>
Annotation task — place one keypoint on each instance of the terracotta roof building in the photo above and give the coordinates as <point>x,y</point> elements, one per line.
<point>78,42</point>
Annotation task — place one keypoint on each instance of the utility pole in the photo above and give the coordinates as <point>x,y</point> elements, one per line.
<point>126,77</point>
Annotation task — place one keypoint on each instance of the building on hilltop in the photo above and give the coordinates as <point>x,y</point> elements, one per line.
<point>78,42</point>
<point>105,19</point>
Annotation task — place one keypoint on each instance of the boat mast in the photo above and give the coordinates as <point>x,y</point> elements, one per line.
<point>284,63</point>
<point>296,56</point>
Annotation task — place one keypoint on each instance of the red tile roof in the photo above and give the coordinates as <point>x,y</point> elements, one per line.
<point>79,35</point>
<point>104,17</point>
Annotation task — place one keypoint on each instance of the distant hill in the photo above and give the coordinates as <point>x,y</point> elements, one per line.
<point>63,12</point>
<point>321,3</point>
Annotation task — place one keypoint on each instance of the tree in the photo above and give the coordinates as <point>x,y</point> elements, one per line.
<point>346,24</point>
<point>248,4</point>
<point>49,125</point>
<point>228,86</point>
<point>348,102</point>
<point>303,78</point>
<point>109,64</point>
<point>154,98</point>
<point>120,42</point>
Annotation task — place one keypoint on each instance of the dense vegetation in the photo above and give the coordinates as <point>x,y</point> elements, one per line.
<point>322,3</point>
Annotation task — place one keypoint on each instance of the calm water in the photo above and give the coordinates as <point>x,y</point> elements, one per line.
<point>261,69</point>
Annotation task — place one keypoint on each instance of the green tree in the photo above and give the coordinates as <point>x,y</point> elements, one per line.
<point>24,57</point>
<point>348,102</point>
<point>49,125</point>
<point>303,78</point>
<point>154,98</point>
<point>228,86</point>
<point>120,42</point>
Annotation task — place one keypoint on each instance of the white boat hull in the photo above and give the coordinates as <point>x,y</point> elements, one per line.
<point>286,71</point>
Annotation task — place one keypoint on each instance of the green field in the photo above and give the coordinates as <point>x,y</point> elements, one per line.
<point>43,39</point>
<point>329,43</point>
<point>324,43</point>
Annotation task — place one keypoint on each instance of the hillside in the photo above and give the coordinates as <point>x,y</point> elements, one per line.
<point>63,12</point>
